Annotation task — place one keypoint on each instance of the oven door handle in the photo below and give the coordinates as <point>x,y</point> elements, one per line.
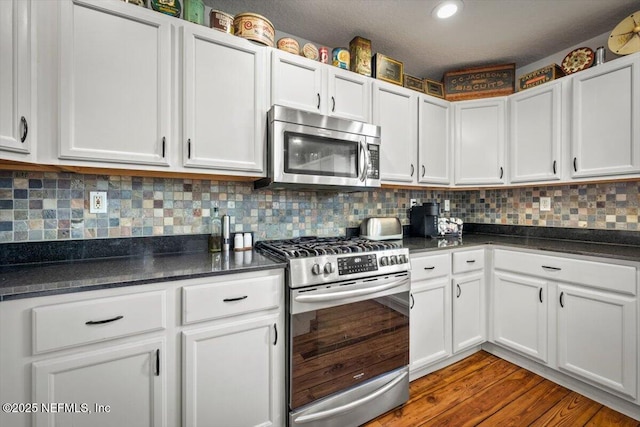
<point>354,293</point>
<point>349,406</point>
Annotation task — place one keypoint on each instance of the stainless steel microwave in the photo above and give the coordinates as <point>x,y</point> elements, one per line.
<point>311,150</point>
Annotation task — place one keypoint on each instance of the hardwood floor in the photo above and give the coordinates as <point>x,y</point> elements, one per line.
<point>484,390</point>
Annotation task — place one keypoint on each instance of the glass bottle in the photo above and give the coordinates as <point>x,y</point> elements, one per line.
<point>215,239</point>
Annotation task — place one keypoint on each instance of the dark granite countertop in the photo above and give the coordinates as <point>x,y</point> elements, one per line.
<point>34,280</point>
<point>595,249</point>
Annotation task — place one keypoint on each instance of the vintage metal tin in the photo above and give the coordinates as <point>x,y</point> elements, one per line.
<point>168,7</point>
<point>387,69</point>
<point>289,45</point>
<point>414,83</point>
<point>310,51</point>
<point>323,52</point>
<point>600,56</point>
<point>540,76</point>
<point>221,21</point>
<point>254,27</point>
<point>194,11</point>
<point>479,82</point>
<point>360,51</point>
<point>136,2</point>
<point>341,57</point>
<point>433,88</point>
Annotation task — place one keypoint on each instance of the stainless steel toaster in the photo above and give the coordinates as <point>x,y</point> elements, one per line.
<point>381,229</point>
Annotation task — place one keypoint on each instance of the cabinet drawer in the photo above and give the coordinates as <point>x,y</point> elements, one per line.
<point>81,322</point>
<point>619,278</point>
<point>430,266</point>
<point>464,261</point>
<point>210,301</point>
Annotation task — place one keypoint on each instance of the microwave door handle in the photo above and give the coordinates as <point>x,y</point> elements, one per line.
<point>353,293</point>
<point>365,162</point>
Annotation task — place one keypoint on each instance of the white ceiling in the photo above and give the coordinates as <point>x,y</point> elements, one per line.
<point>486,32</point>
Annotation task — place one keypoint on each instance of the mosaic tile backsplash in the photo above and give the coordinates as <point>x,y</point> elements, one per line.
<point>36,206</point>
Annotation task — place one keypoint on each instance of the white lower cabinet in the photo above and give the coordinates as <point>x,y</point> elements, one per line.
<point>597,337</point>
<point>232,374</point>
<point>115,386</point>
<point>148,355</point>
<point>468,311</point>
<point>430,322</point>
<point>520,312</point>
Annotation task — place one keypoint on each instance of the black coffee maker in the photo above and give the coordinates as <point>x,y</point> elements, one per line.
<point>424,219</point>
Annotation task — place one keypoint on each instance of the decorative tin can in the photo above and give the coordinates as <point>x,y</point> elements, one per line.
<point>323,52</point>
<point>168,7</point>
<point>221,21</point>
<point>136,2</point>
<point>254,27</point>
<point>413,83</point>
<point>360,50</point>
<point>479,82</point>
<point>540,76</point>
<point>388,69</point>
<point>341,57</point>
<point>310,51</point>
<point>194,11</point>
<point>289,45</point>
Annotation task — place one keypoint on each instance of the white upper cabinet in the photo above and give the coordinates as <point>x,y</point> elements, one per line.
<point>307,85</point>
<point>434,140</point>
<point>224,101</point>
<point>17,79</point>
<point>606,119</point>
<point>535,135</point>
<point>114,83</point>
<point>479,141</point>
<point>395,110</point>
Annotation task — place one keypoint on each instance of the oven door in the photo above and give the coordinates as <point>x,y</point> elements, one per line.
<point>345,335</point>
<point>309,155</point>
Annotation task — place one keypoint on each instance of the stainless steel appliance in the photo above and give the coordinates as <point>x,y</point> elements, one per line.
<point>424,220</point>
<point>347,328</point>
<point>311,150</point>
<point>381,228</point>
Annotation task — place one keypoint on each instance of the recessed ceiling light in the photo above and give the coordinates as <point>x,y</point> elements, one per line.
<point>447,9</point>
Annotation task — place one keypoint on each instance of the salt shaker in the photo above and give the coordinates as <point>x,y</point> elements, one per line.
<point>247,241</point>
<point>237,242</point>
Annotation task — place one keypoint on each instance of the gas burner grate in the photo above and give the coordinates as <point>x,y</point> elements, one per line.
<point>303,247</point>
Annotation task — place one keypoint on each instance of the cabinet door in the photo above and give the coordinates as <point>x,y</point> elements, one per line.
<point>121,386</point>
<point>597,336</point>
<point>606,123</point>
<point>115,87</point>
<point>430,325</point>
<point>224,109</point>
<point>234,374</point>
<point>349,95</point>
<point>479,141</point>
<point>536,133</point>
<point>16,77</point>
<point>434,141</point>
<point>297,82</point>
<point>468,311</point>
<point>395,109</point>
<point>520,314</point>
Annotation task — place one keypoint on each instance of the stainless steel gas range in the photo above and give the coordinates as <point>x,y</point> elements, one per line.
<point>347,328</point>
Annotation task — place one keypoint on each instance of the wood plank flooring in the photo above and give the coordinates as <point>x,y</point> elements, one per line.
<point>484,390</point>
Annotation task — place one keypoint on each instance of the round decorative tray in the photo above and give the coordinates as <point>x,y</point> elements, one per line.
<point>577,60</point>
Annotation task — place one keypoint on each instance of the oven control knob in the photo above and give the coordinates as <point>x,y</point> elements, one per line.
<point>316,269</point>
<point>402,259</point>
<point>394,260</point>
<point>384,261</point>
<point>329,268</point>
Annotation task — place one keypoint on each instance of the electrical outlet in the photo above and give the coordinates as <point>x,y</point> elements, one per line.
<point>412,202</point>
<point>447,206</point>
<point>545,203</point>
<point>98,202</point>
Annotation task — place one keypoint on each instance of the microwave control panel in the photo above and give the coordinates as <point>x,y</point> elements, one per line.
<point>374,166</point>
